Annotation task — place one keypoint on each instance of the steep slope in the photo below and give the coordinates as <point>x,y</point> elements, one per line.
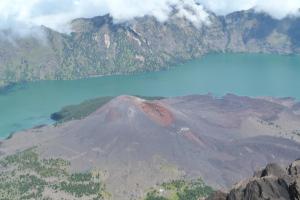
<point>136,144</point>
<point>97,46</point>
<point>257,32</point>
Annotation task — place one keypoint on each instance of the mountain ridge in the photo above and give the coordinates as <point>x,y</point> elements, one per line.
<point>97,46</point>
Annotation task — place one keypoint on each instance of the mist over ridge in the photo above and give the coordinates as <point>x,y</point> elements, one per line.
<point>20,16</point>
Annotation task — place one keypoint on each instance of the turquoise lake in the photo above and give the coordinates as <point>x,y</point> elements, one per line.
<point>31,104</point>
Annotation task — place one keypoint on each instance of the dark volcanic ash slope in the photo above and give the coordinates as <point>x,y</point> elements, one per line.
<point>137,143</point>
<point>97,46</point>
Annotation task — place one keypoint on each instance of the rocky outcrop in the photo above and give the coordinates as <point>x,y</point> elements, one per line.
<point>273,182</point>
<point>98,46</point>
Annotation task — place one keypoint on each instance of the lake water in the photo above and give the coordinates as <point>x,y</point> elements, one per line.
<point>31,104</point>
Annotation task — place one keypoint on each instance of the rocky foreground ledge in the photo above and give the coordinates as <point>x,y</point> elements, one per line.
<point>273,182</point>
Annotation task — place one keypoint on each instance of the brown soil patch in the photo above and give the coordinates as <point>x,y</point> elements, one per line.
<point>158,113</point>
<point>191,136</point>
<point>112,115</point>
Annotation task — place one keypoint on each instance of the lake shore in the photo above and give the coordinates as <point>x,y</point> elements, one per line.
<point>29,104</point>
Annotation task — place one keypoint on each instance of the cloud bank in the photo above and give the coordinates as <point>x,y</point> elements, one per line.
<point>25,14</point>
<point>57,13</point>
<point>276,8</point>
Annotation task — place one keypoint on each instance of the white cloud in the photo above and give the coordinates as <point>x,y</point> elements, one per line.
<point>276,8</point>
<point>55,14</point>
<point>280,9</point>
<point>17,14</point>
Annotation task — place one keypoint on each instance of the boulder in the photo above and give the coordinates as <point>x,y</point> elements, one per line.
<point>294,168</point>
<point>273,170</point>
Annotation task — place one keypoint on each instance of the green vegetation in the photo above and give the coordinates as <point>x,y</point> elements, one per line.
<point>26,176</point>
<point>154,195</point>
<point>80,111</point>
<point>84,109</point>
<point>180,190</point>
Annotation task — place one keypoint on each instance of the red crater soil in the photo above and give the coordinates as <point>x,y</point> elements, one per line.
<point>158,113</point>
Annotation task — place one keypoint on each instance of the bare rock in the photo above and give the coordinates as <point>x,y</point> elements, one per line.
<point>273,169</point>
<point>262,189</point>
<point>294,168</point>
<point>295,190</point>
<point>273,182</point>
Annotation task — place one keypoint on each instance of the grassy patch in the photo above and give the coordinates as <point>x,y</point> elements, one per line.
<point>180,190</point>
<point>26,176</point>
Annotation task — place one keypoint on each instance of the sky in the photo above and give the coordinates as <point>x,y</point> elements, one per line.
<point>25,14</point>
